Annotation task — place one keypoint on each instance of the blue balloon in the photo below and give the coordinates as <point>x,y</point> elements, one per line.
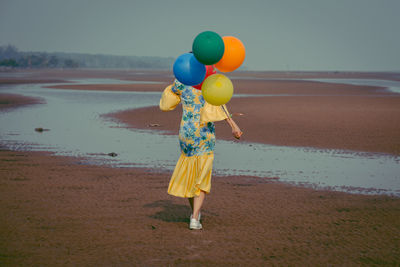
<point>188,70</point>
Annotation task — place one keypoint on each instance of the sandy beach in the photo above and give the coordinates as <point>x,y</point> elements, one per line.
<point>60,211</point>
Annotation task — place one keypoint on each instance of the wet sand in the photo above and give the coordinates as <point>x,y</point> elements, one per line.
<point>9,101</point>
<point>58,211</point>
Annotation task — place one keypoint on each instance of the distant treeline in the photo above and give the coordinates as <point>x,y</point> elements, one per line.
<point>11,57</point>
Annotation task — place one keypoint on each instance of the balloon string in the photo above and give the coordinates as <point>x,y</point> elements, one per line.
<point>226,113</point>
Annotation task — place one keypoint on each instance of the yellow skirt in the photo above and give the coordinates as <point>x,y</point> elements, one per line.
<point>191,175</point>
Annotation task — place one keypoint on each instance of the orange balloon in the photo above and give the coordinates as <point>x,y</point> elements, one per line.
<point>233,56</point>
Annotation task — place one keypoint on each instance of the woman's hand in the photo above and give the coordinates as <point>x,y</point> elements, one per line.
<point>237,133</point>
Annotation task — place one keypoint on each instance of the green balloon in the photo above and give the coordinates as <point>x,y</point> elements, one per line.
<point>208,47</point>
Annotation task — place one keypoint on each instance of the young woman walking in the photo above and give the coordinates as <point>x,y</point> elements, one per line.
<point>192,175</point>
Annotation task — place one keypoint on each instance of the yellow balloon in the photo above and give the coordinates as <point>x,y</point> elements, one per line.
<point>217,89</point>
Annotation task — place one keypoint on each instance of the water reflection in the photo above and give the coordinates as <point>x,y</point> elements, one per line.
<point>77,128</point>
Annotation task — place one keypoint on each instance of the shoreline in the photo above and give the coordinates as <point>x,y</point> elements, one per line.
<point>364,122</point>
<point>295,114</point>
<point>298,180</point>
<point>310,114</point>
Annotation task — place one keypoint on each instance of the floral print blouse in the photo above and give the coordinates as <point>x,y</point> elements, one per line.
<point>195,137</point>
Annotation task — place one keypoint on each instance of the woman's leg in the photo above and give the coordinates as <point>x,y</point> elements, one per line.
<point>197,203</point>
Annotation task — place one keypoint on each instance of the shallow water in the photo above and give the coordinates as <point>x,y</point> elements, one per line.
<point>109,81</point>
<point>392,86</point>
<point>77,128</point>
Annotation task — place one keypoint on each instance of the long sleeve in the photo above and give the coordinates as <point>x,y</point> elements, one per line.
<point>211,113</point>
<point>169,100</point>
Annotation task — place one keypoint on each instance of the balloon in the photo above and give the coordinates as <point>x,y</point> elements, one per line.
<point>208,47</point>
<point>210,70</point>
<point>217,89</point>
<point>233,56</point>
<point>188,70</point>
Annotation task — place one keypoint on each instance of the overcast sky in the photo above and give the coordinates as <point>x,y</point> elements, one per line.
<point>278,34</point>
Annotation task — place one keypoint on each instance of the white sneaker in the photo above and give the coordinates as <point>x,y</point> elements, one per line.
<point>199,216</point>
<point>195,224</point>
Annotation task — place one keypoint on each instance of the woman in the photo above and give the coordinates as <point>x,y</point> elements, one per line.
<point>192,175</point>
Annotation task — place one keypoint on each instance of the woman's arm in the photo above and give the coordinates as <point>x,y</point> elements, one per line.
<point>237,133</point>
<point>169,100</point>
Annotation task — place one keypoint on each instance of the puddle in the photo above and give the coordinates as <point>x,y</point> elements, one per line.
<point>77,129</point>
